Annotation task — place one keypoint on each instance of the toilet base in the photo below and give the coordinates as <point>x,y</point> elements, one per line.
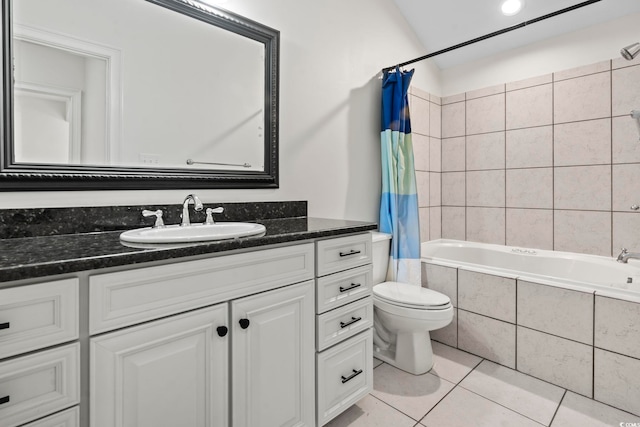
<point>415,355</point>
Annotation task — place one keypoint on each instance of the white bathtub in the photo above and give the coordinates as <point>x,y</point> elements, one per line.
<point>604,275</point>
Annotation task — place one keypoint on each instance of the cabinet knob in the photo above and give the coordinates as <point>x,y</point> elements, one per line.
<point>222,331</point>
<point>4,325</point>
<point>4,400</point>
<point>244,323</point>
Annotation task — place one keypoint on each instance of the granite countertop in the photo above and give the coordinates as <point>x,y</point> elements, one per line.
<point>32,257</point>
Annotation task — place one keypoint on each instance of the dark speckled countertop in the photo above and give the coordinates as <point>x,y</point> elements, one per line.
<point>48,255</point>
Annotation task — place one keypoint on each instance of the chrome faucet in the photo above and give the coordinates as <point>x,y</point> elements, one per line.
<point>625,255</point>
<point>191,198</point>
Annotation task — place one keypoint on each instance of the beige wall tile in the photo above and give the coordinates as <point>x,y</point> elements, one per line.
<point>617,326</point>
<point>419,115</point>
<point>435,154</point>
<point>625,139</point>
<point>625,187</point>
<point>413,90</point>
<point>424,224</point>
<point>435,223</point>
<point>625,94</point>
<point>453,98</point>
<point>485,114</point>
<point>422,184</point>
<point>621,62</point>
<point>557,311</point>
<point>453,223</point>
<point>582,98</point>
<point>492,296</point>
<point>420,152</point>
<point>584,70</point>
<point>583,232</point>
<point>559,361</point>
<point>486,188</point>
<point>486,225</point>
<point>533,81</point>
<point>441,279</point>
<point>530,228</point>
<point>582,143</point>
<point>486,91</point>
<point>616,380</point>
<point>453,153</point>
<point>435,189</point>
<point>435,99</point>
<point>453,120</point>
<point>582,187</point>
<point>530,188</point>
<point>435,120</point>
<point>529,147</point>
<point>529,107</point>
<point>485,151</point>
<point>453,188</point>
<point>625,232</point>
<point>486,337</point>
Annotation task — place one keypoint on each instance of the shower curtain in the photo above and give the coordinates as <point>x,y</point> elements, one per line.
<point>399,201</point>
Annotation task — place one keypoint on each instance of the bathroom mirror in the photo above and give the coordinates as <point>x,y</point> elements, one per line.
<point>136,94</point>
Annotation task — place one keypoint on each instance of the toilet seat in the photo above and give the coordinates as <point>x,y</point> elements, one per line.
<point>410,296</point>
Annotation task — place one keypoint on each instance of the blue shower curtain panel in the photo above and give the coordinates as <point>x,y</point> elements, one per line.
<point>399,202</point>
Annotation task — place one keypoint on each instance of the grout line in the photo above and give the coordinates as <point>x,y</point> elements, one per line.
<point>553,163</point>
<point>393,407</point>
<point>558,408</point>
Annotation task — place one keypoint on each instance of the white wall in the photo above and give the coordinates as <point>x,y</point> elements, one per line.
<point>593,44</point>
<point>331,54</point>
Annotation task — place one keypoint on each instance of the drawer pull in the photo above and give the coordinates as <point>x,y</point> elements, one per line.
<point>244,323</point>
<point>6,399</point>
<point>4,325</point>
<point>222,331</point>
<point>351,252</point>
<point>352,376</point>
<point>353,286</point>
<point>351,322</point>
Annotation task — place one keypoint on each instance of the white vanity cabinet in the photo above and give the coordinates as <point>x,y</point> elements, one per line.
<point>33,319</point>
<point>344,318</point>
<point>246,359</point>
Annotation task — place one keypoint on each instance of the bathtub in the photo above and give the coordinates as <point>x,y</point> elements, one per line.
<point>603,275</point>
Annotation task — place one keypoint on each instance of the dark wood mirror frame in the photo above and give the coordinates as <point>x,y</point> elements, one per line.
<point>24,176</point>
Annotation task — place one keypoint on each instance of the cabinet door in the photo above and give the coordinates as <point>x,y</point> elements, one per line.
<point>171,372</point>
<point>273,358</point>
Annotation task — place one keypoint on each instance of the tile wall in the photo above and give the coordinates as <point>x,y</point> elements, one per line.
<point>579,340</point>
<point>426,115</point>
<point>551,162</point>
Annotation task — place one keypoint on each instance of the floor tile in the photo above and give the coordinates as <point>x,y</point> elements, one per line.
<point>371,412</point>
<point>464,408</point>
<point>577,410</point>
<point>521,393</point>
<point>413,395</point>
<point>377,362</point>
<point>452,364</point>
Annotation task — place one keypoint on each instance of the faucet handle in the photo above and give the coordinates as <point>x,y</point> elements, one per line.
<point>210,212</point>
<point>158,214</point>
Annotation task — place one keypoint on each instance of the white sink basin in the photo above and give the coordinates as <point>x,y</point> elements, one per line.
<point>193,232</point>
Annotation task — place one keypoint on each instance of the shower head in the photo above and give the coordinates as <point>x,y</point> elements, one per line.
<point>630,51</point>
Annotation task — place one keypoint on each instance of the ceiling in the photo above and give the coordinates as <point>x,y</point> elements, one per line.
<point>440,24</point>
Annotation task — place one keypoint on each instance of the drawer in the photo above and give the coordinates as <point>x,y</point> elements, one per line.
<point>342,253</point>
<point>39,384</point>
<point>344,322</point>
<point>342,288</point>
<point>133,296</point>
<point>345,375</point>
<point>38,316</point>
<point>68,418</point>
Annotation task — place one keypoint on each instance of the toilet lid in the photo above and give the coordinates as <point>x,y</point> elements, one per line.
<point>410,295</point>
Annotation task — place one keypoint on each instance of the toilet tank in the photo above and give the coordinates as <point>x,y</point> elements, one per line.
<point>381,246</point>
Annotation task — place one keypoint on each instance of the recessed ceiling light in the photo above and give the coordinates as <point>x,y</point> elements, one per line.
<point>511,7</point>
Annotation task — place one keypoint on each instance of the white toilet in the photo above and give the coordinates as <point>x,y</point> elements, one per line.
<point>403,315</point>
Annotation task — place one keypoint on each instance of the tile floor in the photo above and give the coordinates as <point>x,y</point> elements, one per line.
<point>465,390</point>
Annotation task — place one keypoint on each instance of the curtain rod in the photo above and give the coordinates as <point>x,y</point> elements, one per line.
<point>495,33</point>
